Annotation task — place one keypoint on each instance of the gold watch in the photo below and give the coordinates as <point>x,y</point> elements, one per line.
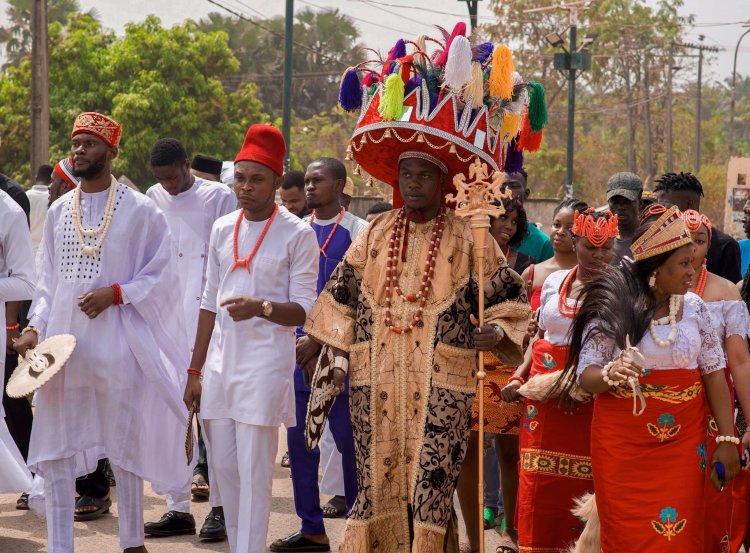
<point>267,307</point>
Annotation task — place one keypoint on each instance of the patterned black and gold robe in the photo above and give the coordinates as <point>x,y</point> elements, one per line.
<point>411,394</point>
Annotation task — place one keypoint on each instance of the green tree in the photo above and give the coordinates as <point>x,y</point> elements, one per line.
<point>16,37</point>
<point>156,82</point>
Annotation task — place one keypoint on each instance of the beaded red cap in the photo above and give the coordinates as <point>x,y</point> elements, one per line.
<point>597,232</point>
<point>694,220</point>
<point>99,125</point>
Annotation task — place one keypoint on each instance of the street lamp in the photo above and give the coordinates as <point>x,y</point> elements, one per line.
<point>473,6</point>
<point>734,89</point>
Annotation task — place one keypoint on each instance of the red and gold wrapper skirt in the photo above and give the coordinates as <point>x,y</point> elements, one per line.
<point>499,417</point>
<point>555,463</point>
<point>649,470</point>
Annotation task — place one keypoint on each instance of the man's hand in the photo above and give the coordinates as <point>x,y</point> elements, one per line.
<point>509,393</point>
<point>339,378</point>
<point>307,349</point>
<point>243,308</point>
<point>309,369</point>
<point>26,342</point>
<point>485,337</point>
<point>11,337</point>
<point>93,303</point>
<point>193,390</point>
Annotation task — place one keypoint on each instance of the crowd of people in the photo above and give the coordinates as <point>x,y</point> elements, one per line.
<point>615,348</point>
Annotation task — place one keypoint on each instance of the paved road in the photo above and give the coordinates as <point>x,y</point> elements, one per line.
<point>23,532</point>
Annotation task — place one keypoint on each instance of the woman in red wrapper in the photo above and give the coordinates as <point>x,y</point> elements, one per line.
<point>555,463</point>
<point>649,459</point>
<point>726,519</point>
<point>562,245</point>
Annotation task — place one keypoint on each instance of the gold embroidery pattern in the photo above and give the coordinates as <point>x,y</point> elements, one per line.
<point>667,394</point>
<point>552,462</point>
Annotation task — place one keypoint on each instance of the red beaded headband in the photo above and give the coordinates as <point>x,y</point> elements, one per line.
<point>694,220</point>
<point>597,232</point>
<point>650,211</point>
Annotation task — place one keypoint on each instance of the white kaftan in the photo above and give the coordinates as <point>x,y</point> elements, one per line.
<point>119,395</point>
<point>249,369</point>
<point>16,284</point>
<point>191,216</point>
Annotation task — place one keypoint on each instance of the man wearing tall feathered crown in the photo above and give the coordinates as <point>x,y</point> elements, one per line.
<point>398,315</point>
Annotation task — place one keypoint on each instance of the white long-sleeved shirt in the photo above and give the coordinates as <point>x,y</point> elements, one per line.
<point>191,215</point>
<point>38,199</point>
<point>248,375</point>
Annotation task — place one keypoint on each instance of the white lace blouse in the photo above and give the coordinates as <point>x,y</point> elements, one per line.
<point>730,318</point>
<point>554,324</point>
<point>697,344</point>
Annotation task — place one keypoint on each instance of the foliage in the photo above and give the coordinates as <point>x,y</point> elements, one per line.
<point>156,82</point>
<point>628,32</point>
<point>325,44</point>
<point>16,37</point>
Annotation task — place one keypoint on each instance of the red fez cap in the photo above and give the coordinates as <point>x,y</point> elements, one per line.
<point>99,125</point>
<point>264,144</point>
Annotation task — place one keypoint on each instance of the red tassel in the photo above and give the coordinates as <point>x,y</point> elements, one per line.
<point>459,29</point>
<point>529,140</point>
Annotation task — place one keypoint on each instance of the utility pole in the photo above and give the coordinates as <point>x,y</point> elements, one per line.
<point>572,61</point>
<point>287,94</point>
<point>631,126</point>
<point>473,6</point>
<point>698,97</point>
<point>647,119</point>
<point>39,87</point>
<point>670,68</point>
<point>734,89</point>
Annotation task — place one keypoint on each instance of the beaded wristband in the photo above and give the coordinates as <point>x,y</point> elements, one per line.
<point>605,374</point>
<point>13,327</point>
<point>517,378</point>
<point>194,372</point>
<point>731,439</point>
<point>118,294</point>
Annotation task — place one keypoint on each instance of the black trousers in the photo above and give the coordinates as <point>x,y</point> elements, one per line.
<point>18,414</point>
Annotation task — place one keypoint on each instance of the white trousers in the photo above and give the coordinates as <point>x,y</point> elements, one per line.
<point>180,502</point>
<point>242,458</point>
<point>332,482</point>
<point>59,492</point>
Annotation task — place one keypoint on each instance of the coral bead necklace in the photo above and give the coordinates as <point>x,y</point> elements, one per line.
<point>249,259</point>
<point>391,274</point>
<point>333,230</point>
<point>562,301</point>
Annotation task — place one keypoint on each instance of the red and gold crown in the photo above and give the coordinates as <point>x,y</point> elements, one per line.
<point>99,125</point>
<point>694,220</point>
<point>667,233</point>
<point>462,103</point>
<point>595,231</point>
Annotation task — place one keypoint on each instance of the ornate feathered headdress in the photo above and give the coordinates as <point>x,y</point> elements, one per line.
<point>460,103</point>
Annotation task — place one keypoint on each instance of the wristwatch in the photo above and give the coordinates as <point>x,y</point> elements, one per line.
<point>267,307</point>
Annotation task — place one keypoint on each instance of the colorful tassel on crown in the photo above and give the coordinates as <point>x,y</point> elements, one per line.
<point>511,125</point>
<point>350,93</point>
<point>529,140</point>
<point>458,68</point>
<point>458,30</point>
<point>537,106</point>
<point>474,89</point>
<point>501,75</point>
<point>392,98</point>
<point>513,159</point>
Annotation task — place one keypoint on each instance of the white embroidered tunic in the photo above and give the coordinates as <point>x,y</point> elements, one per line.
<point>551,321</point>
<point>119,396</point>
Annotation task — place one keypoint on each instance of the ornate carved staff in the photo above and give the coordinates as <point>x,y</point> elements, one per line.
<point>479,199</point>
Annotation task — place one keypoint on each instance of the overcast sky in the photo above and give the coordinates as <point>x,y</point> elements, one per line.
<point>381,22</point>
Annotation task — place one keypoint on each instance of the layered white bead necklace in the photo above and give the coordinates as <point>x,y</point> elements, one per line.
<point>101,232</point>
<point>674,308</point>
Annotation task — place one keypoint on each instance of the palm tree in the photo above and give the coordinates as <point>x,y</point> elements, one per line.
<point>16,37</point>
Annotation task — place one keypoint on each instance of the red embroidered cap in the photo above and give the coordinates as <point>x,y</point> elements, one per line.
<point>99,125</point>
<point>264,144</point>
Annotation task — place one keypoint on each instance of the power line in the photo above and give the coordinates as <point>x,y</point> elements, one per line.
<point>330,56</point>
<point>360,19</point>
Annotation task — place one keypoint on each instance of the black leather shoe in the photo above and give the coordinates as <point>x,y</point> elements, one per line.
<point>171,524</point>
<point>214,528</point>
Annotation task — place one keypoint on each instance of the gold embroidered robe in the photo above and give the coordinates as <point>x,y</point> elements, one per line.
<point>411,394</point>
